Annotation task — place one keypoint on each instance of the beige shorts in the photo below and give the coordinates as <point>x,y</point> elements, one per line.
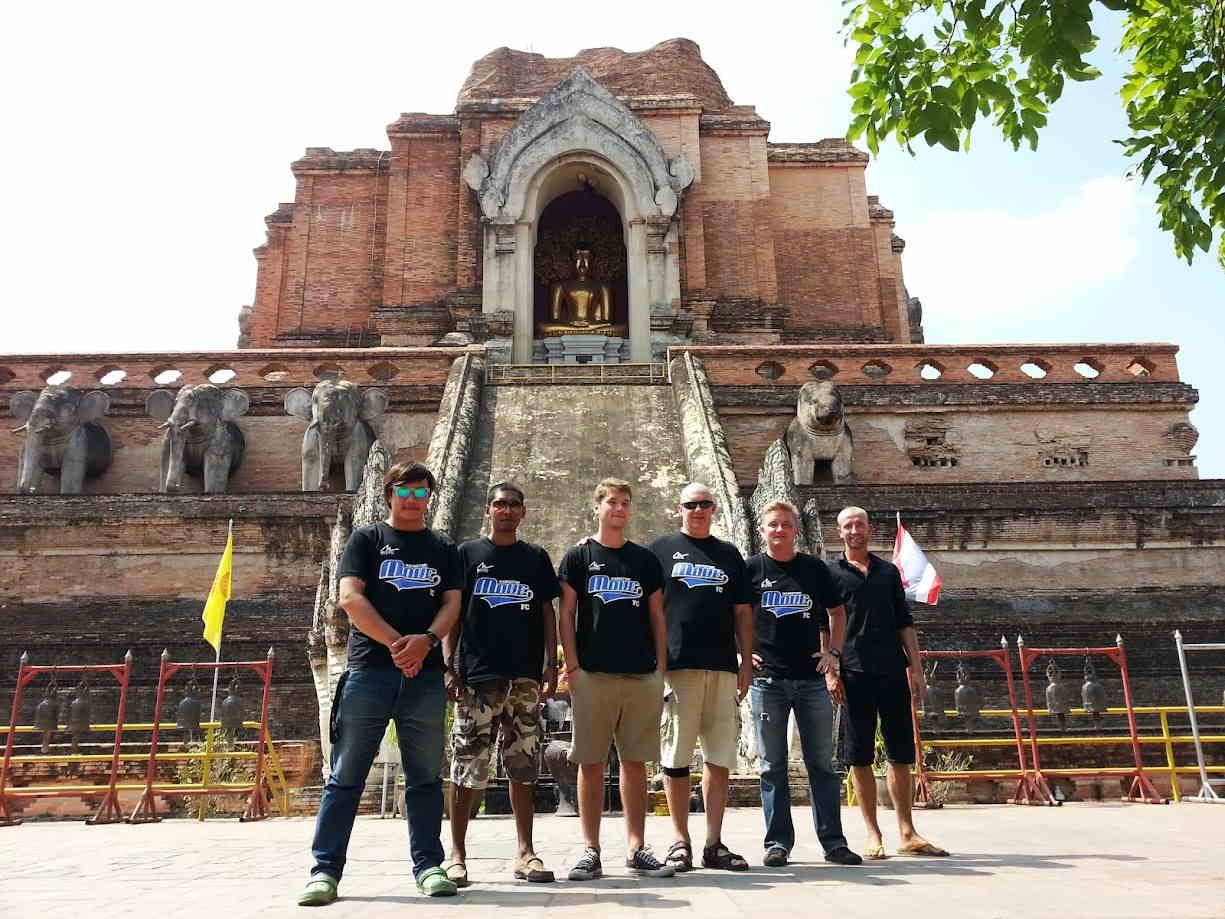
<point>700,705</point>
<point>621,707</point>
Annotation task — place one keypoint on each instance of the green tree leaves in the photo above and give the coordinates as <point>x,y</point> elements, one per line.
<point>933,68</point>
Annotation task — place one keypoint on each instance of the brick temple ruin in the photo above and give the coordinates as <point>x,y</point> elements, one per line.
<point>1054,486</point>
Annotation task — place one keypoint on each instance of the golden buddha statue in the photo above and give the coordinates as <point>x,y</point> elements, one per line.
<point>580,306</point>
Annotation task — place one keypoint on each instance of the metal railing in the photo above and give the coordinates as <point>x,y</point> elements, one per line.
<point>572,374</point>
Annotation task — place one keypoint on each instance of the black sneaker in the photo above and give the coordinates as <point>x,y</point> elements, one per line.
<point>843,856</point>
<point>776,857</point>
<point>588,867</point>
<point>644,864</point>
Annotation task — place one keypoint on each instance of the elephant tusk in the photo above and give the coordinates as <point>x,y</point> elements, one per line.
<point>20,429</point>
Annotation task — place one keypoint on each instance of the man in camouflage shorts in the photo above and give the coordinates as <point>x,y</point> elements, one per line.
<point>506,634</point>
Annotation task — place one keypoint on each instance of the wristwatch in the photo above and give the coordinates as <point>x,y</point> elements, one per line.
<point>837,653</point>
<point>435,641</point>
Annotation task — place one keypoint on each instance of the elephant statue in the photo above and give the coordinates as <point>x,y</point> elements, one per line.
<point>201,436</point>
<point>819,437</point>
<point>62,435</point>
<point>339,431</point>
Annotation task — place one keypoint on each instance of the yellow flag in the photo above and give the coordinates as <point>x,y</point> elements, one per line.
<point>214,607</point>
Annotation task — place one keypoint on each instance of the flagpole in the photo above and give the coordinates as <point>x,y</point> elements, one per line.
<point>212,711</point>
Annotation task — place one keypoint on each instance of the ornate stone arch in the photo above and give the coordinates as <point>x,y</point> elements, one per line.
<point>579,120</point>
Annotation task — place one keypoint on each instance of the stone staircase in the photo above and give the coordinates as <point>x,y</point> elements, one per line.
<point>558,441</point>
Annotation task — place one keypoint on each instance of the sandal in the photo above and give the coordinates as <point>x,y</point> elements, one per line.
<point>875,853</point>
<point>680,856</point>
<point>532,869</point>
<point>457,872</point>
<point>719,856</point>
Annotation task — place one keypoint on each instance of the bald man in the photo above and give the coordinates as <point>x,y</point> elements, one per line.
<point>707,605</point>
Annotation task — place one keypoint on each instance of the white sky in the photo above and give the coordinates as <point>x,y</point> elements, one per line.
<point>144,143</point>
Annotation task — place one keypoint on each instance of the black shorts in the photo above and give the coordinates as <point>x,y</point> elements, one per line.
<point>870,694</point>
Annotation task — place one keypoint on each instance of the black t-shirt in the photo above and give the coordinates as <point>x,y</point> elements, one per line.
<point>406,573</point>
<point>876,609</point>
<point>613,615</point>
<point>502,626</point>
<point>703,580</point>
<point>789,604</point>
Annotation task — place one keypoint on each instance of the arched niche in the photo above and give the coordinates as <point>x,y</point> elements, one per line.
<point>579,127</point>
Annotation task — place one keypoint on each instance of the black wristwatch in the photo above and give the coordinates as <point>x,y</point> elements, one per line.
<point>435,641</point>
<point>836,653</point>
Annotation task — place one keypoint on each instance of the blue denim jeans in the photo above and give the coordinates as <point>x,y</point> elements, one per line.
<point>369,700</point>
<point>773,700</point>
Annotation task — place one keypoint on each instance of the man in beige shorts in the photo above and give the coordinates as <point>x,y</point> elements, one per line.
<point>613,635</point>
<point>707,605</point>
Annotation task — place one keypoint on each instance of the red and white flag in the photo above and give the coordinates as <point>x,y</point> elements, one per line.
<point>919,577</point>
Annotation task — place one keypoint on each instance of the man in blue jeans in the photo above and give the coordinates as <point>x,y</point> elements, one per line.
<point>796,670</point>
<point>400,586</point>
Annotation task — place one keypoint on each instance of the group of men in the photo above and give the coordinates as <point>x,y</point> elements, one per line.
<point>677,632</point>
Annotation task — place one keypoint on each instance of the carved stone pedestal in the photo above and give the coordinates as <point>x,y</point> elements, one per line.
<point>565,774</point>
<point>581,349</point>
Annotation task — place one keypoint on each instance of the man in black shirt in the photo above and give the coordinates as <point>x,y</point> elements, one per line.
<point>706,604</point>
<point>615,641</point>
<point>799,626</point>
<point>506,633</point>
<point>399,585</point>
<point>881,669</point>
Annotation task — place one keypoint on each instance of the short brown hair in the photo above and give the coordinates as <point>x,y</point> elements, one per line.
<point>609,486</point>
<point>406,472</point>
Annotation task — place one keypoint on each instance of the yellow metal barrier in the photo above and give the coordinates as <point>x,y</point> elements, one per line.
<point>274,778</point>
<point>1166,739</point>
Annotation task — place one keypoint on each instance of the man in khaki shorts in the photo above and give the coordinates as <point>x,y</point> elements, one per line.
<point>494,657</point>
<point>613,635</point>
<point>708,609</point>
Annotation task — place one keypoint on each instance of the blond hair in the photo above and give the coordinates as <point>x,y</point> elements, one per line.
<point>781,506</point>
<point>610,486</point>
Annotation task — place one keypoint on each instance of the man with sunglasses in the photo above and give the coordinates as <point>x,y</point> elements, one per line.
<point>506,633</point>
<point>400,586</point>
<point>709,616</point>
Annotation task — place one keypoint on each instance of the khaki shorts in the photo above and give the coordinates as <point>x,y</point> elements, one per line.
<point>700,705</point>
<point>624,707</point>
<point>510,707</point>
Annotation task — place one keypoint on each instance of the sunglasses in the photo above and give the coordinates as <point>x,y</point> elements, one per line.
<point>697,505</point>
<point>403,491</point>
<point>501,505</point>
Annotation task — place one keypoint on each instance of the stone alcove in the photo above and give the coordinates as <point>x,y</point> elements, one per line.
<point>578,129</point>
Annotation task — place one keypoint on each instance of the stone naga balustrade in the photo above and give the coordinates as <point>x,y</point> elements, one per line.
<point>888,364</point>
<point>271,367</point>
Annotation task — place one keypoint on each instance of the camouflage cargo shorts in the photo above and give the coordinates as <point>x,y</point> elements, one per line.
<point>509,707</point>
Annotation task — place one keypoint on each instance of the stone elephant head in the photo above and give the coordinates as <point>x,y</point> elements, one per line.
<point>339,413</point>
<point>62,435</point>
<point>201,436</point>
<point>819,407</point>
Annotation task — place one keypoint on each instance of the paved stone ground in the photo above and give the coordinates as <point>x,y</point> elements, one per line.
<point>1082,860</point>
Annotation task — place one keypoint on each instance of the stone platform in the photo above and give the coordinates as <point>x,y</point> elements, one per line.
<point>1115,861</point>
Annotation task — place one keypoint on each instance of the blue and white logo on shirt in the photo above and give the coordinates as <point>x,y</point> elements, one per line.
<point>694,575</point>
<point>610,589</point>
<point>501,593</point>
<point>786,602</point>
<point>403,576</point>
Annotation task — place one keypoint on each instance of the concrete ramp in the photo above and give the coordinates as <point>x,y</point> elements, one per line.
<point>558,441</point>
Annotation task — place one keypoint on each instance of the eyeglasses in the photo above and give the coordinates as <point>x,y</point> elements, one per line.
<point>697,505</point>
<point>403,491</point>
<point>501,505</point>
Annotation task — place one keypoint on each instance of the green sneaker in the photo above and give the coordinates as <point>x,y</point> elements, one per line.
<point>320,890</point>
<point>434,882</point>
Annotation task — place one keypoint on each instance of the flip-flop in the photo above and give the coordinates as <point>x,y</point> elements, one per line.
<point>921,848</point>
<point>875,853</point>
<point>458,873</point>
<point>532,869</point>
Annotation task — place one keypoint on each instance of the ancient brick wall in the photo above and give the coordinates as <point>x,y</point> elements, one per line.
<point>88,578</point>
